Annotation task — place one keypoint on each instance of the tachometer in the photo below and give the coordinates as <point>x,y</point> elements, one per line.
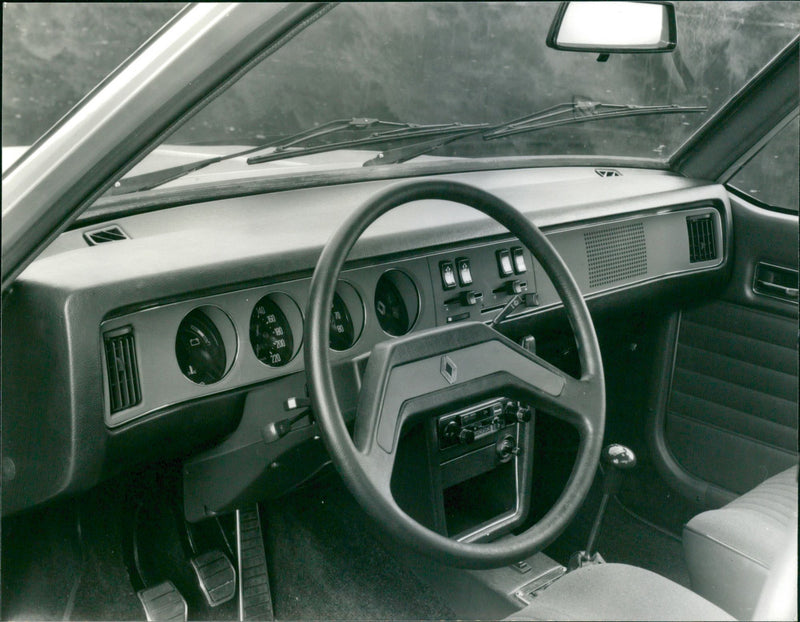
<point>270,333</point>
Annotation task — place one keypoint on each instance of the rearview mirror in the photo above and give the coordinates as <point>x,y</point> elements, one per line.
<point>614,27</point>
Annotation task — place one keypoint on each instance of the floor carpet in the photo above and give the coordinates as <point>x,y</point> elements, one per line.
<point>325,562</point>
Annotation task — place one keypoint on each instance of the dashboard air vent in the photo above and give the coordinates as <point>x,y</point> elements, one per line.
<point>615,253</point>
<point>608,172</point>
<point>702,245</point>
<point>106,234</point>
<point>123,371</point>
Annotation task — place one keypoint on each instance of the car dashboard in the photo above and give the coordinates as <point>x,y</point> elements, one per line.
<point>185,338</point>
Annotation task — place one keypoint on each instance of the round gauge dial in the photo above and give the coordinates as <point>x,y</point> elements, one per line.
<point>271,333</point>
<point>200,349</point>
<point>396,302</point>
<point>342,330</point>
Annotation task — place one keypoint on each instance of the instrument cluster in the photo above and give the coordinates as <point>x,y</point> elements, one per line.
<point>206,341</point>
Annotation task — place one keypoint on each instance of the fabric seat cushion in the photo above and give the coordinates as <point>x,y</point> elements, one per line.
<point>617,592</point>
<point>729,551</point>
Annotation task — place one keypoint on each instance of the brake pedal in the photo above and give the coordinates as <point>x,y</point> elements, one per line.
<point>163,603</point>
<point>216,576</point>
<point>255,599</point>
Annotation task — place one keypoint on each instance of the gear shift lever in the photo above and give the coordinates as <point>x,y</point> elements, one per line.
<point>616,459</point>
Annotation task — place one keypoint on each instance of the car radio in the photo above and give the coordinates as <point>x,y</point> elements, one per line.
<point>483,453</point>
<point>467,428</point>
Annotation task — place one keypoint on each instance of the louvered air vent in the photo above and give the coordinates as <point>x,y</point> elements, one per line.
<point>123,372</point>
<point>608,172</point>
<point>702,244</point>
<point>106,234</point>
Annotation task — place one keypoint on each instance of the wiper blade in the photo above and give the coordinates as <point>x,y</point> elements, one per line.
<point>282,147</point>
<point>405,132</point>
<point>576,111</point>
<point>582,111</point>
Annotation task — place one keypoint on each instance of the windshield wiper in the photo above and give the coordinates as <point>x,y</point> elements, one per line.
<point>287,147</point>
<point>576,111</point>
<point>406,132</point>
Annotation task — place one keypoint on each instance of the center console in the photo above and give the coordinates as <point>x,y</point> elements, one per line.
<point>478,460</point>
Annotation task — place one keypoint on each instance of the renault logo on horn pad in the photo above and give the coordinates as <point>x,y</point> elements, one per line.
<point>449,369</point>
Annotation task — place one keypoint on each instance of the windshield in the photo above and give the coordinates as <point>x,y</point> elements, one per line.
<point>474,64</point>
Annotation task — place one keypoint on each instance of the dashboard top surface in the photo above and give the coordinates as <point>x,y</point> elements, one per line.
<point>206,244</point>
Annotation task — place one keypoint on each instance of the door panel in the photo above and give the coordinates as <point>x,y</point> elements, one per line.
<point>732,413</point>
<point>725,415</point>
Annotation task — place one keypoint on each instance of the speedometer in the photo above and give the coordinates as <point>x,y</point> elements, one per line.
<point>270,333</point>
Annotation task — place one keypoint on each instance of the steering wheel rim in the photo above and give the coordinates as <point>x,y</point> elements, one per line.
<point>360,474</point>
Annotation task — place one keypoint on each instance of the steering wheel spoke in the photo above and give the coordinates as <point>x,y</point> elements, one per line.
<point>579,403</point>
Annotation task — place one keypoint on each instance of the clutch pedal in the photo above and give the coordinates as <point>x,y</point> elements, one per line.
<point>216,576</point>
<point>163,603</point>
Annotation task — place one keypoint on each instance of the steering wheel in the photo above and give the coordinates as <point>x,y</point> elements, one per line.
<point>403,381</point>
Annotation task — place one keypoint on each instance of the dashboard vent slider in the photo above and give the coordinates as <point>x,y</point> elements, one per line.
<point>123,372</point>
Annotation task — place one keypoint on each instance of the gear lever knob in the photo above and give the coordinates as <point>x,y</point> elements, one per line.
<point>618,456</point>
<point>616,459</point>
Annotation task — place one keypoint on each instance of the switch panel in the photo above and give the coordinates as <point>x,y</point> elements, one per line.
<point>469,288</point>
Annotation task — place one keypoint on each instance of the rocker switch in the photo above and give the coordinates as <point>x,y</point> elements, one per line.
<point>504,263</point>
<point>519,260</point>
<point>464,271</point>
<point>448,274</point>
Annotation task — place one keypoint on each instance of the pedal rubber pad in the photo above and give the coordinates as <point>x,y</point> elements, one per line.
<point>216,576</point>
<point>163,603</point>
<point>256,599</point>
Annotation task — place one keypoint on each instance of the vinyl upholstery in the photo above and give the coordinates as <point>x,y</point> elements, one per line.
<point>730,551</point>
<point>618,592</point>
<point>732,414</point>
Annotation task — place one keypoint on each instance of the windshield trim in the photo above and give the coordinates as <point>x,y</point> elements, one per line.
<point>118,206</point>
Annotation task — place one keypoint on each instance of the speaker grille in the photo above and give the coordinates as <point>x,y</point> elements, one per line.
<point>615,253</point>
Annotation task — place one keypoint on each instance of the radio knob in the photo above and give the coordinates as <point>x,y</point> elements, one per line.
<point>450,431</point>
<point>510,411</point>
<point>466,436</point>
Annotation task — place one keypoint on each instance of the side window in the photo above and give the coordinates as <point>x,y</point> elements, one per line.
<point>771,176</point>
